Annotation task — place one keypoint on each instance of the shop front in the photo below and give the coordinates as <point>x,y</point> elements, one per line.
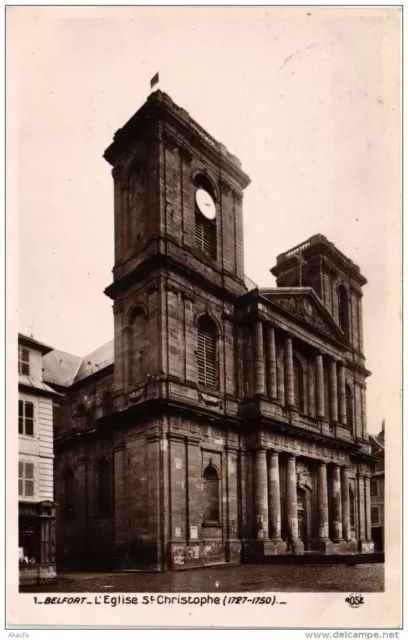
<point>37,543</point>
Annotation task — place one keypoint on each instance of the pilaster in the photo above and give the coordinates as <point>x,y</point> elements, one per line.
<point>289,382</point>
<point>319,387</point>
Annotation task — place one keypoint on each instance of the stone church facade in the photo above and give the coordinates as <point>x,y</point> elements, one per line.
<point>224,421</point>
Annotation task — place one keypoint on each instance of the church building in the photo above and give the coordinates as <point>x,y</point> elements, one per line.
<point>224,421</point>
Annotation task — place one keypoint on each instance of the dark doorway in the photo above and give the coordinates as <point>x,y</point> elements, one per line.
<point>377,536</point>
<point>302,514</point>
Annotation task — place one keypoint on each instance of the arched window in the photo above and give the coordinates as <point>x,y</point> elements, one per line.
<point>104,488</point>
<point>352,504</point>
<point>68,495</point>
<point>349,407</point>
<point>107,403</point>
<point>205,228</point>
<point>211,493</point>
<point>207,352</point>
<point>298,385</point>
<point>136,336</point>
<point>81,411</point>
<point>343,304</point>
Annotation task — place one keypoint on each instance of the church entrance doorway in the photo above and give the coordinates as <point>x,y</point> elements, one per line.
<point>303,517</point>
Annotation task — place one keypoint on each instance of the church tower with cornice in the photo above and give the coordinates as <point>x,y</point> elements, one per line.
<point>236,424</point>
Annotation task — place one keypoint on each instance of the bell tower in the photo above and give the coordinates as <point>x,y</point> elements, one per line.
<point>178,228</point>
<point>335,278</point>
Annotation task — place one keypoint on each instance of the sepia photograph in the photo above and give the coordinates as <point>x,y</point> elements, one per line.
<point>204,215</point>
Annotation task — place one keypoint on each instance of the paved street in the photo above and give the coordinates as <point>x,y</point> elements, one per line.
<point>365,577</point>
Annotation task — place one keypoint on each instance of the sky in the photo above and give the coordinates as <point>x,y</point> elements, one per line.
<point>308,99</point>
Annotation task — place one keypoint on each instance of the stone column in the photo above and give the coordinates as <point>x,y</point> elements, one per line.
<point>274,497</point>
<point>291,498</point>
<point>259,364</point>
<point>337,522</point>
<point>333,392</point>
<point>368,507</point>
<point>345,503</point>
<point>342,394</point>
<point>361,508</point>
<point>271,365</point>
<point>311,388</point>
<point>261,494</point>
<point>364,413</point>
<point>289,386</point>
<point>232,510</point>
<point>319,387</point>
<point>323,507</point>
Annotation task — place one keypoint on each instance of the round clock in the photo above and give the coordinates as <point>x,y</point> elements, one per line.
<point>205,204</point>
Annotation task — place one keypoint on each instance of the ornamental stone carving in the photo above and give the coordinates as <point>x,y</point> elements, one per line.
<point>304,309</point>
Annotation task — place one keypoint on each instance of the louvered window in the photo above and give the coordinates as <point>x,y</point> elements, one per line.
<point>205,235</point>
<point>349,408</point>
<point>206,352</point>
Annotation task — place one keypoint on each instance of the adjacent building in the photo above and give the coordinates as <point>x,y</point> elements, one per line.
<point>37,509</point>
<point>224,420</point>
<point>378,489</point>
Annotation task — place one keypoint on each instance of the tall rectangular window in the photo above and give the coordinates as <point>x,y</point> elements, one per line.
<point>375,515</point>
<point>205,235</point>
<point>24,361</point>
<point>207,352</point>
<point>25,479</point>
<point>25,418</point>
<point>374,488</point>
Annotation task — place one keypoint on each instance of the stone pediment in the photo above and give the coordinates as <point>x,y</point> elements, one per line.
<point>305,305</point>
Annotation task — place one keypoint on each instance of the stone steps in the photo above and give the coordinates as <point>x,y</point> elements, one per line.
<point>314,558</point>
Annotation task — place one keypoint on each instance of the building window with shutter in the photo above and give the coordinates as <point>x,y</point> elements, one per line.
<point>23,361</point>
<point>211,491</point>
<point>205,235</point>
<point>207,352</point>
<point>25,418</point>
<point>26,479</point>
<point>104,488</point>
<point>349,407</point>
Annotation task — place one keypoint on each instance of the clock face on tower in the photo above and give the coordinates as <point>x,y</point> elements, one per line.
<point>205,204</point>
